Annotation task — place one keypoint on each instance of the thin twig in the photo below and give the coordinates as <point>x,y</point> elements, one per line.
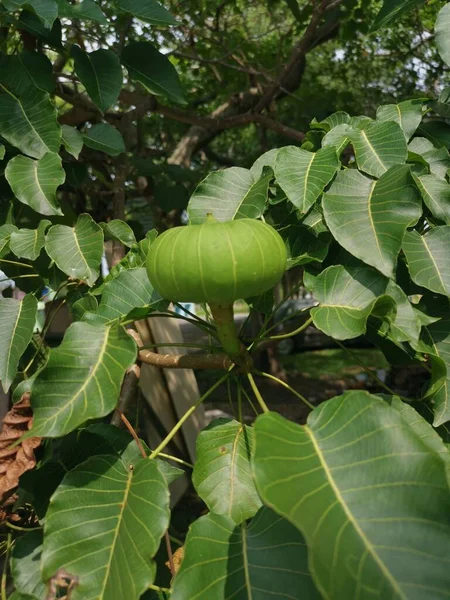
<point>287,386</point>
<point>258,396</point>
<point>131,430</point>
<point>127,393</point>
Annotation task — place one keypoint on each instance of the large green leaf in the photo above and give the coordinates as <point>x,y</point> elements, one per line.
<point>21,72</point>
<point>26,565</point>
<point>379,146</point>
<point>229,194</point>
<point>222,474</point>
<point>17,321</point>
<point>303,175</point>
<point>442,33</point>
<point>46,10</point>
<point>119,230</point>
<point>407,114</point>
<point>153,70</point>
<point>369,218</point>
<point>346,296</point>
<point>34,182</point>
<point>130,290</point>
<point>5,235</point>
<point>427,257</point>
<point>149,11</point>
<point>87,10</point>
<point>104,526</point>
<point>101,74</point>
<point>29,122</point>
<point>28,243</point>
<point>406,325</point>
<point>266,560</point>
<point>81,379</point>
<point>105,138</point>
<point>29,22</point>
<point>72,140</point>
<point>369,492</point>
<point>436,195</point>
<point>77,250</point>
<point>392,10</point>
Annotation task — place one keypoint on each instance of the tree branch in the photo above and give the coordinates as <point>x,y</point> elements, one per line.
<point>181,361</point>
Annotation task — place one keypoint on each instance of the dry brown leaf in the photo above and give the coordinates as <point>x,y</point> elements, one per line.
<point>21,458</point>
<point>178,556</point>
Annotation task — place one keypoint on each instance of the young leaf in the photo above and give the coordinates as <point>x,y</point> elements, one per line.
<point>229,194</point>
<point>303,175</point>
<point>153,70</point>
<point>149,11</point>
<point>222,474</point>
<point>130,290</point>
<point>34,182</point>
<point>29,123</point>
<point>77,250</point>
<point>26,563</point>
<point>72,140</point>
<point>369,218</point>
<point>101,74</point>
<point>441,31</point>
<point>378,147</point>
<point>28,243</point>
<point>105,138</point>
<point>407,114</point>
<point>119,230</point>
<point>17,321</point>
<point>347,296</point>
<point>46,10</point>
<point>266,559</point>
<point>81,379</point>
<point>356,481</point>
<point>427,257</point>
<point>104,526</point>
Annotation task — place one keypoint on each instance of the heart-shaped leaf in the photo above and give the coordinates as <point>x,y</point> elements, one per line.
<point>101,74</point>
<point>28,243</point>
<point>77,250</point>
<point>266,559</point>
<point>303,175</point>
<point>379,146</point>
<point>119,230</point>
<point>437,159</point>
<point>427,257</point>
<point>104,526</point>
<point>87,9</point>
<point>84,375</point>
<point>153,70</point>
<point>407,114</point>
<point>369,218</point>
<point>222,474</point>
<point>436,195</point>
<point>46,10</point>
<point>72,140</point>
<point>34,182</point>
<point>29,123</point>
<point>105,138</point>
<point>347,296</point>
<point>17,322</point>
<point>229,194</point>
<point>356,482</point>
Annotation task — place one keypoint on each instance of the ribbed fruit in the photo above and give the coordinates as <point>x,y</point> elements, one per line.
<point>215,262</point>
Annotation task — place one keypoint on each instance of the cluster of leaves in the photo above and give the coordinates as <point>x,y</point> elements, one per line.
<point>354,504</point>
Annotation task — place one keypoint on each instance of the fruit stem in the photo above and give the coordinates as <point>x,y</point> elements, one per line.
<point>223,316</point>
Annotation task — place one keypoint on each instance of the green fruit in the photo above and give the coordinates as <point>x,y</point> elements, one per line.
<point>215,262</point>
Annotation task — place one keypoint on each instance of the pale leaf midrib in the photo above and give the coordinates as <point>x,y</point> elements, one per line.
<point>351,518</point>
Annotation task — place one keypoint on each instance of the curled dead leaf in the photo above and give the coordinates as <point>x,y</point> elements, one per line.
<point>21,458</point>
<point>177,559</point>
